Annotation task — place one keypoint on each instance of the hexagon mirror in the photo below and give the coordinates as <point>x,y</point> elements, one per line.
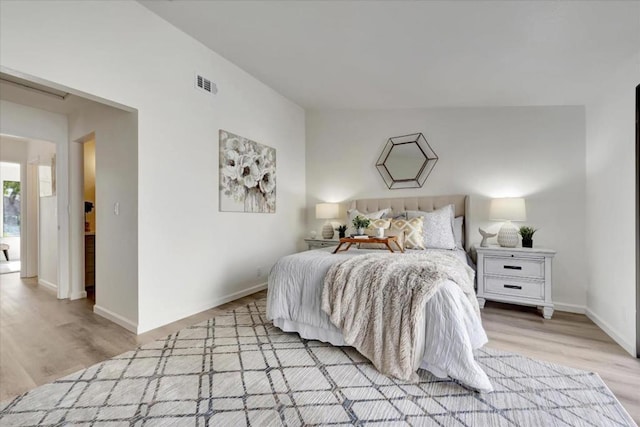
<point>406,161</point>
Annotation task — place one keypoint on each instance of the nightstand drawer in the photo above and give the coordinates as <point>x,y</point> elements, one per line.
<point>520,288</point>
<point>519,267</point>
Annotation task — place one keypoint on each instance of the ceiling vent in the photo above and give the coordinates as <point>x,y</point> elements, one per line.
<point>206,85</point>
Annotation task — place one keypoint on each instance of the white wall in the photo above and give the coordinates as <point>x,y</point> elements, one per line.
<point>190,256</point>
<point>610,209</point>
<point>115,133</point>
<point>48,247</point>
<point>12,150</point>
<point>35,124</point>
<point>535,152</point>
<point>43,220</point>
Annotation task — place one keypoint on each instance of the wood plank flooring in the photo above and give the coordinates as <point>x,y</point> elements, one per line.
<point>42,338</point>
<point>567,339</point>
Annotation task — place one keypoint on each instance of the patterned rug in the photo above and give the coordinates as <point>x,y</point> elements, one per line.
<point>237,369</point>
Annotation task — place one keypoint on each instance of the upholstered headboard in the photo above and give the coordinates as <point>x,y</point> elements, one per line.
<point>424,203</point>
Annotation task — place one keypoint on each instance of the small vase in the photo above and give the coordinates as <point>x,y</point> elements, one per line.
<point>341,234</point>
<point>360,231</point>
<point>527,243</point>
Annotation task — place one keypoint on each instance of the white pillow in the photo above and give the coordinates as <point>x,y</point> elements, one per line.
<point>438,227</point>
<point>352,213</point>
<point>457,231</point>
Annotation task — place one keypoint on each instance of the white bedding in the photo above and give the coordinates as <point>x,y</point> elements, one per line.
<point>451,328</point>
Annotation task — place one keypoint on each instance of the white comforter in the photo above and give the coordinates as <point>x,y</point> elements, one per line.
<point>451,331</point>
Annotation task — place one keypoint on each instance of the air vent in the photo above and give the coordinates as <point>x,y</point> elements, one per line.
<point>206,85</point>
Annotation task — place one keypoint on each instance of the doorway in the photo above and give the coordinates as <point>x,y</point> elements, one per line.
<point>638,221</point>
<point>89,189</point>
<point>10,217</point>
<point>75,116</point>
<point>28,210</point>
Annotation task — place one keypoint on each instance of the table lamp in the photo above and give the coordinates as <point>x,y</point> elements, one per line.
<point>327,211</point>
<point>507,210</point>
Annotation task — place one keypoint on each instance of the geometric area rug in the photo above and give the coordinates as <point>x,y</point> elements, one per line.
<point>237,369</point>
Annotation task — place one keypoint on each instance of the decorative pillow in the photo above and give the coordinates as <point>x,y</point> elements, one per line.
<point>401,215</point>
<point>457,231</point>
<point>412,229</point>
<point>352,213</point>
<point>438,227</point>
<point>372,229</point>
<point>372,215</point>
<point>387,233</point>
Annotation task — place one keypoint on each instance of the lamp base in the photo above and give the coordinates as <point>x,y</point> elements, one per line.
<point>508,236</point>
<point>327,231</point>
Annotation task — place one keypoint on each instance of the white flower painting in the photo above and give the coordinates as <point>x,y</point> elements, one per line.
<point>247,175</point>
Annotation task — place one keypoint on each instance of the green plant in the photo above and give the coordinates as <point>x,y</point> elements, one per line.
<point>527,232</point>
<point>361,222</point>
<point>11,189</point>
<point>342,228</point>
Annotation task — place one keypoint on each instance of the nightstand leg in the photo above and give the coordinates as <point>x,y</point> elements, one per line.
<point>547,312</point>
<point>481,302</point>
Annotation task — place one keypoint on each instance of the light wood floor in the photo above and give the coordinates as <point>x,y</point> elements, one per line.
<point>42,338</point>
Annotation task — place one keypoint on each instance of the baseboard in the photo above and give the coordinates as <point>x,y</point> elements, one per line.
<point>629,347</point>
<point>48,285</point>
<point>569,308</point>
<point>243,293</point>
<point>115,318</point>
<point>204,307</point>
<point>79,295</point>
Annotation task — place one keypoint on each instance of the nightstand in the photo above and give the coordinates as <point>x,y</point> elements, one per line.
<point>516,275</point>
<point>320,243</point>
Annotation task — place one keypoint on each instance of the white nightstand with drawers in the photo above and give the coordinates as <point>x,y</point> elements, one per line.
<point>516,276</point>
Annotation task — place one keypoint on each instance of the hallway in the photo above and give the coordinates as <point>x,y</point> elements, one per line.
<point>43,338</point>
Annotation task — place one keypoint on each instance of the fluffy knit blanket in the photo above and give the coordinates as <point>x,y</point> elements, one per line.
<point>376,300</point>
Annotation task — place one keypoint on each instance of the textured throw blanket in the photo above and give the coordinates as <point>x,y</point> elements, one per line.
<point>376,300</point>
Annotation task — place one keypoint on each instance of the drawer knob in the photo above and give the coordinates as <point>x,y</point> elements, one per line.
<point>513,287</point>
<point>512,267</point>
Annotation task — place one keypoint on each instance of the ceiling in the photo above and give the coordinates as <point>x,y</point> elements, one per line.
<point>406,54</point>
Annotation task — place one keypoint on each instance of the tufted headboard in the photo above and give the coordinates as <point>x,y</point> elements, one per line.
<point>424,203</point>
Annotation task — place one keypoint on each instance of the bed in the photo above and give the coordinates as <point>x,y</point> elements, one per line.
<point>449,328</point>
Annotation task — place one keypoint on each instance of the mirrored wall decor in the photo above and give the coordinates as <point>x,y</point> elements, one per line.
<point>406,161</point>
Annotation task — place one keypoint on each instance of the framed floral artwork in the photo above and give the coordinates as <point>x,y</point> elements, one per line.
<point>247,175</point>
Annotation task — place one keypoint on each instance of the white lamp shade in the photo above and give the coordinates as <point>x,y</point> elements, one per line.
<point>327,210</point>
<point>508,209</point>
